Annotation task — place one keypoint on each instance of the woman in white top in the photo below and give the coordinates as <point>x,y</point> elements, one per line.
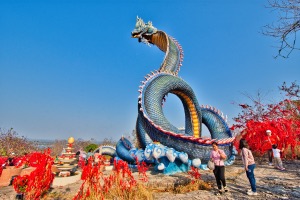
<point>276,154</point>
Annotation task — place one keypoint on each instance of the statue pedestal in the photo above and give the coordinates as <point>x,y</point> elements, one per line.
<point>66,162</point>
<point>64,173</point>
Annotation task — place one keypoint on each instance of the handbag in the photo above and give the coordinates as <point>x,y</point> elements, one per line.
<point>211,164</point>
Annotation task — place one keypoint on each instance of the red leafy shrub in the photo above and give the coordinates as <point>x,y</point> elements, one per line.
<point>20,183</point>
<point>16,161</point>
<point>119,184</point>
<point>38,182</point>
<point>122,170</point>
<point>194,173</point>
<point>3,160</point>
<point>195,184</point>
<point>142,169</point>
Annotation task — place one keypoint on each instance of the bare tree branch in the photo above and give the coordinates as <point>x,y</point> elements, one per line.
<point>287,26</point>
<point>292,91</point>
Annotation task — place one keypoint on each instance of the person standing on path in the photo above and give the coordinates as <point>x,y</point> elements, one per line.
<point>218,156</point>
<point>268,142</point>
<point>249,164</point>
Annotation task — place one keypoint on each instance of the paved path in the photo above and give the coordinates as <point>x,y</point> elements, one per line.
<point>63,181</point>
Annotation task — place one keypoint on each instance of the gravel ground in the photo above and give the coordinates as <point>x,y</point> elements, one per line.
<point>271,184</point>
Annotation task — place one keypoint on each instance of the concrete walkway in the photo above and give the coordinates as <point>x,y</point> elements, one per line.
<point>62,181</point>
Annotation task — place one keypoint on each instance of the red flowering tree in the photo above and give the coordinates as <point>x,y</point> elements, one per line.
<point>282,118</point>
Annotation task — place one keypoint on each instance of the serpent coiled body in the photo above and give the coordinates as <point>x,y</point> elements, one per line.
<point>153,126</point>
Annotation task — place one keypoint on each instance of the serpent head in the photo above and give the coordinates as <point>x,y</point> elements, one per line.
<point>143,31</point>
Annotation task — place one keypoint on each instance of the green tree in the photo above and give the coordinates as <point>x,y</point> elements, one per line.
<point>90,147</point>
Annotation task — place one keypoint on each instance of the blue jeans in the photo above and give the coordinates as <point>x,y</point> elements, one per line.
<point>250,175</point>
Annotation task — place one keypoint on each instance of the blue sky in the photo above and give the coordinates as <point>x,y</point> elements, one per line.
<point>71,68</point>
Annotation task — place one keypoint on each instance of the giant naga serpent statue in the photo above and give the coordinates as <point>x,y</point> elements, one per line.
<point>153,127</point>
